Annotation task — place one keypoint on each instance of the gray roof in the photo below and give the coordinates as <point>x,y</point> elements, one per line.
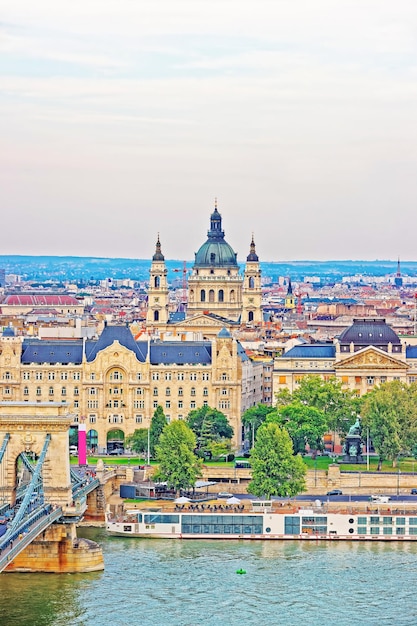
<point>122,334</point>
<point>312,351</point>
<point>369,332</point>
<point>37,351</point>
<point>181,352</point>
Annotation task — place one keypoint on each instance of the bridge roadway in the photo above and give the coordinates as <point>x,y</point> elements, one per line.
<point>39,517</point>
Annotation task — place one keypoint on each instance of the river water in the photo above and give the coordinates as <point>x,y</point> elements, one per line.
<point>188,583</point>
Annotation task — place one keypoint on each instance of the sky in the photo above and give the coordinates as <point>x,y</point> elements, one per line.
<point>122,119</point>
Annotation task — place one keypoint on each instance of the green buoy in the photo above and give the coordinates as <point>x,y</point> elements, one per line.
<point>240,571</point>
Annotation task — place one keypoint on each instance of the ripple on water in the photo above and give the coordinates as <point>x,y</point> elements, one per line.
<point>190,583</point>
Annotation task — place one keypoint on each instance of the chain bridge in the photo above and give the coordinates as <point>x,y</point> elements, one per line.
<point>41,497</point>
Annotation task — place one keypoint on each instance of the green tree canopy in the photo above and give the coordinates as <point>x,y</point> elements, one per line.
<point>138,441</point>
<point>209,425</point>
<point>158,423</point>
<point>338,405</point>
<point>179,467</point>
<point>390,413</point>
<point>252,418</point>
<point>305,424</point>
<point>275,469</point>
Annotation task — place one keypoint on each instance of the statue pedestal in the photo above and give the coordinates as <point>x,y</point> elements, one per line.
<point>353,449</point>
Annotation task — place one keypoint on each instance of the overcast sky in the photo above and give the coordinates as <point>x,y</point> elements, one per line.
<point>120,119</point>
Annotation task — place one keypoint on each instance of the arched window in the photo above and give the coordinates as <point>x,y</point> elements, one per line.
<point>250,316</point>
<point>157,281</point>
<point>221,295</point>
<point>203,295</point>
<point>251,282</point>
<point>156,316</point>
<point>211,295</point>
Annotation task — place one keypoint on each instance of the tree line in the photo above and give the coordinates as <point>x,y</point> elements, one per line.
<point>278,435</point>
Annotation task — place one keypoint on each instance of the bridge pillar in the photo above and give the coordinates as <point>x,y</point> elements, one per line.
<point>59,551</point>
<point>56,549</point>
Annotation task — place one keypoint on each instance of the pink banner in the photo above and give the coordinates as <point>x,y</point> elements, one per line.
<point>82,444</point>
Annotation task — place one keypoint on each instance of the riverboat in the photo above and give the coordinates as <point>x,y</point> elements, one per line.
<point>262,522</point>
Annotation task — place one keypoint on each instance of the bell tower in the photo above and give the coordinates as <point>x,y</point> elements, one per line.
<point>157,314</point>
<point>252,291</point>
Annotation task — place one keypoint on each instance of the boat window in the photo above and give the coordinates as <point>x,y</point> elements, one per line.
<point>156,518</point>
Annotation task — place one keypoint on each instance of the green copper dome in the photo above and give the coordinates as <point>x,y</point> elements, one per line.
<point>215,252</point>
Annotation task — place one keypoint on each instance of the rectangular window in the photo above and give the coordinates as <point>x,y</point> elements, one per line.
<point>76,376</point>
<point>193,376</point>
<point>93,419</point>
<point>64,375</point>
<point>26,376</point>
<point>51,375</point>
<point>155,375</point>
<point>192,405</point>
<point>138,376</point>
<point>155,404</point>
<point>180,376</point>
<point>76,391</point>
<point>38,376</point>
<point>138,419</point>
<point>180,404</point>
<point>76,403</point>
<point>92,376</point>
<point>206,376</point>
<point>168,404</point>
<point>168,375</point>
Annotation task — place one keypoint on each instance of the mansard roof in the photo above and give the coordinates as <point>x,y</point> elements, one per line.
<point>41,351</point>
<point>369,332</point>
<point>110,334</point>
<point>180,352</point>
<point>312,351</point>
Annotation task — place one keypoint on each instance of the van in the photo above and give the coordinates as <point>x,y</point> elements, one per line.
<point>383,499</point>
<point>73,450</point>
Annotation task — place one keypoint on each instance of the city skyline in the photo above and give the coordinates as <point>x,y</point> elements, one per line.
<point>120,121</point>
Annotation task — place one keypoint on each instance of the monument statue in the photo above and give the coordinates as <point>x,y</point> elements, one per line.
<point>353,444</point>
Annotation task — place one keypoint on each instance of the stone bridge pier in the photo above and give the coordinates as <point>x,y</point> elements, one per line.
<point>25,427</point>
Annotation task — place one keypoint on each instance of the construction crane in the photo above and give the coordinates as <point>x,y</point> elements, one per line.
<point>184,285</point>
<point>299,295</point>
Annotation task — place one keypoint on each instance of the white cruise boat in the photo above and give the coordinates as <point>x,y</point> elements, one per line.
<point>264,523</point>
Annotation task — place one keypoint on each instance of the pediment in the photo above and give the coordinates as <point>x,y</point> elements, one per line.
<point>200,320</point>
<point>371,358</point>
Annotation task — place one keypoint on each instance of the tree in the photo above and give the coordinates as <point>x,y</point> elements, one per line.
<point>275,469</point>
<point>305,424</point>
<point>253,418</point>
<point>390,413</point>
<point>138,441</point>
<point>338,405</point>
<point>209,425</point>
<point>179,467</point>
<point>158,423</point>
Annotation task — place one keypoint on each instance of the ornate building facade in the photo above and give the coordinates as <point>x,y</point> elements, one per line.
<point>115,383</point>
<point>366,354</point>
<point>217,291</point>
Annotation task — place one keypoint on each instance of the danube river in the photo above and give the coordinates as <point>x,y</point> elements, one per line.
<point>189,583</point>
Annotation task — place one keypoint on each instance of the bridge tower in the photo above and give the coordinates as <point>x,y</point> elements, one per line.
<point>26,426</point>
<point>41,534</point>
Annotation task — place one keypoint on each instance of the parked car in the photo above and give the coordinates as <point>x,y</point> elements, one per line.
<point>335,492</point>
<point>414,491</point>
<point>73,450</point>
<point>116,452</point>
<point>224,494</point>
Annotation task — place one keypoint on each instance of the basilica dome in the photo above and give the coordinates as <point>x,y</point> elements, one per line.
<point>215,252</point>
